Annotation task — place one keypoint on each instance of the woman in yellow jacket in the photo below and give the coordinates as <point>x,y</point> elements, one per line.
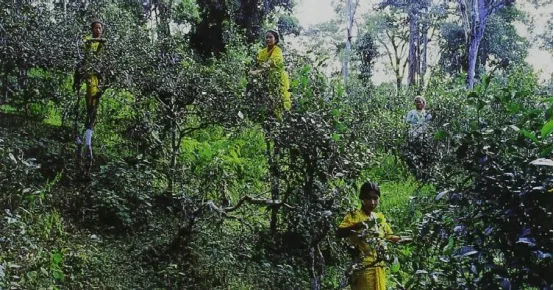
<point>270,60</point>
<point>371,273</point>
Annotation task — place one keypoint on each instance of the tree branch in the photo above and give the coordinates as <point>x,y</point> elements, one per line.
<point>395,47</point>
<point>161,102</point>
<point>389,54</point>
<point>403,51</point>
<point>404,67</point>
<point>189,130</point>
<point>256,201</point>
<point>495,5</point>
<point>465,18</point>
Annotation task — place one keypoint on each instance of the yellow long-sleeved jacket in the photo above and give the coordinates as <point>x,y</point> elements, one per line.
<point>277,74</point>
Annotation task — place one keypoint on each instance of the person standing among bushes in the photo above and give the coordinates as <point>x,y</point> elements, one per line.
<point>368,232</point>
<point>271,64</point>
<point>417,149</point>
<point>89,70</point>
<point>418,118</point>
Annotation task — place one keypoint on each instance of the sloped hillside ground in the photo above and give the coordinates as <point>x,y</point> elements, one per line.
<point>52,224</point>
<point>117,230</point>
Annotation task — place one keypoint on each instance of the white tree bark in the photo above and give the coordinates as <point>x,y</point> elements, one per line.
<point>480,11</point>
<point>413,66</point>
<point>351,6</point>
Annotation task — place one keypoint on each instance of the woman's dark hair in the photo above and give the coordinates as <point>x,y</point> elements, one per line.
<point>369,187</point>
<point>96,21</point>
<point>275,34</point>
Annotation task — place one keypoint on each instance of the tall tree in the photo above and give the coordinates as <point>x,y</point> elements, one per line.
<point>500,45</point>
<point>413,65</point>
<point>421,16</point>
<point>424,40</point>
<point>367,53</point>
<point>430,14</point>
<point>411,10</point>
<point>351,6</point>
<point>475,14</point>
<point>389,30</point>
<point>209,35</point>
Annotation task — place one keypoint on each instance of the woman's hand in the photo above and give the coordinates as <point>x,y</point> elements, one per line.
<point>394,239</point>
<point>345,232</point>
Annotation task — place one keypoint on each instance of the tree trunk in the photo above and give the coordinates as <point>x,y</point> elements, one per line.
<point>481,64</point>
<point>479,22</point>
<point>274,174</point>
<point>4,99</point>
<point>394,57</point>
<point>349,19</point>
<point>173,160</point>
<point>465,20</point>
<point>275,177</point>
<point>175,146</point>
<point>345,62</point>
<point>473,48</point>
<point>397,73</point>
<point>316,267</point>
<point>412,53</point>
<point>425,41</point>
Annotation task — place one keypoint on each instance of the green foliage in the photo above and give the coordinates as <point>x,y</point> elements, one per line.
<point>122,194</point>
<point>502,243</point>
<point>490,181</point>
<point>37,252</point>
<point>367,51</point>
<point>35,59</point>
<point>187,12</point>
<point>288,25</point>
<point>198,184</point>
